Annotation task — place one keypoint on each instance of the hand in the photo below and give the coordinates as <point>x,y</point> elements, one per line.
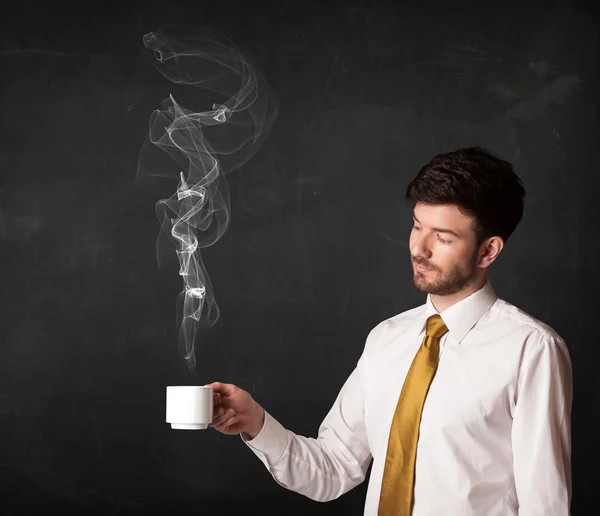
<point>235,411</point>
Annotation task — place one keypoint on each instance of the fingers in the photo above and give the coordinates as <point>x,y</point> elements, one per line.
<point>226,389</point>
<point>227,427</point>
<point>221,390</point>
<point>221,414</point>
<point>223,419</point>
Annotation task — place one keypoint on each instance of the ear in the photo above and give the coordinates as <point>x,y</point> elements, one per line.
<point>489,251</point>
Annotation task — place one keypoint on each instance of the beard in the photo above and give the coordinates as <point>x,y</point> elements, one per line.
<point>439,283</point>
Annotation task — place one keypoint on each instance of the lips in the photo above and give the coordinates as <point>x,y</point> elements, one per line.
<point>420,268</point>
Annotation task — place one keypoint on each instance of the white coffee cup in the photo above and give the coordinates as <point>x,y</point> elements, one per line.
<point>189,407</point>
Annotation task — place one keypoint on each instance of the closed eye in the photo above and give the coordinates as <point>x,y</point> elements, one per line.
<point>441,240</point>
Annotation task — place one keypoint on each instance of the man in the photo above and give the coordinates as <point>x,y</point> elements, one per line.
<point>463,403</point>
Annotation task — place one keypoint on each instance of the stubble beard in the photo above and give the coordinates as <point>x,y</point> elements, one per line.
<point>439,284</point>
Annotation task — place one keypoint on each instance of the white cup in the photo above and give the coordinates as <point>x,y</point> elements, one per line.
<point>189,407</point>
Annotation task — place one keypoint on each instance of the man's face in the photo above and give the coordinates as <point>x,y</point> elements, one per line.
<point>443,242</point>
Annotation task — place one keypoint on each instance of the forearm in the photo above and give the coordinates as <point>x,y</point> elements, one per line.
<point>315,468</point>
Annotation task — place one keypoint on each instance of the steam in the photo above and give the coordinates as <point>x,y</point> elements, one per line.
<point>206,145</point>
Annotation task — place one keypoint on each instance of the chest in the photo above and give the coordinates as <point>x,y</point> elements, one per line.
<point>472,390</point>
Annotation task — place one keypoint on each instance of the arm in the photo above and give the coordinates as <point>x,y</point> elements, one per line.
<point>330,465</point>
<point>541,434</point>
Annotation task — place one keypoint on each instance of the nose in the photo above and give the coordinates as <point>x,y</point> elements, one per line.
<point>419,245</point>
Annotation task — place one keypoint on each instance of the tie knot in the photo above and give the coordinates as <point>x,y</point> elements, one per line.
<point>435,326</point>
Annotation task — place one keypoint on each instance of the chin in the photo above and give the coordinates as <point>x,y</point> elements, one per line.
<point>421,284</point>
<point>441,288</point>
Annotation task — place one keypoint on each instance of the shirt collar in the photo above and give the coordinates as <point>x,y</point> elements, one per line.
<point>462,316</point>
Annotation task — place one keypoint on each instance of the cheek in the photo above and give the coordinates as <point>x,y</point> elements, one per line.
<point>449,257</point>
<point>443,256</point>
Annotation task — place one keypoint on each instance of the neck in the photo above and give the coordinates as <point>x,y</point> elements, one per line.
<point>442,303</point>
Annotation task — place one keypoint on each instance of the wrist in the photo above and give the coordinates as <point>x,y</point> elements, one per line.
<point>258,420</point>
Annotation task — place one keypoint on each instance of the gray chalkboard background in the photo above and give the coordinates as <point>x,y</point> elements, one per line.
<point>316,251</point>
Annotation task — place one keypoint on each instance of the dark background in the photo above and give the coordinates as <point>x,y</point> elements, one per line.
<point>316,254</point>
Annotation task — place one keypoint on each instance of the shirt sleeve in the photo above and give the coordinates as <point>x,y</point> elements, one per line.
<point>325,467</point>
<point>541,433</point>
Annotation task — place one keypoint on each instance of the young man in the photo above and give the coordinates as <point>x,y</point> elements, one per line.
<point>463,403</point>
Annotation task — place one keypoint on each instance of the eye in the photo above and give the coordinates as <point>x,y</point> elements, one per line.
<point>442,240</point>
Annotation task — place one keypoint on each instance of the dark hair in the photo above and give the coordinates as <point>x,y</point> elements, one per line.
<point>479,184</point>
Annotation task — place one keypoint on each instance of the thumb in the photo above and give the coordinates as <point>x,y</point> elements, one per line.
<point>225,389</point>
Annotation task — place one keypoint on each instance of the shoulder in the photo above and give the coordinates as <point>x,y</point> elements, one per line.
<point>537,336</point>
<point>515,317</point>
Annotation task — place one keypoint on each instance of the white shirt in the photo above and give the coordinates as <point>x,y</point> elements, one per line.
<point>495,436</point>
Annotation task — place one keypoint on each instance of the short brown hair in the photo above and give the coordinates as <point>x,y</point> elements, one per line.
<point>480,184</point>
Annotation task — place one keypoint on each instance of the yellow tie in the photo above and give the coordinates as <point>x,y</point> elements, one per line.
<point>399,474</point>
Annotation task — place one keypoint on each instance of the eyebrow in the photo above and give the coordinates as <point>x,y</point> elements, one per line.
<point>440,230</point>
